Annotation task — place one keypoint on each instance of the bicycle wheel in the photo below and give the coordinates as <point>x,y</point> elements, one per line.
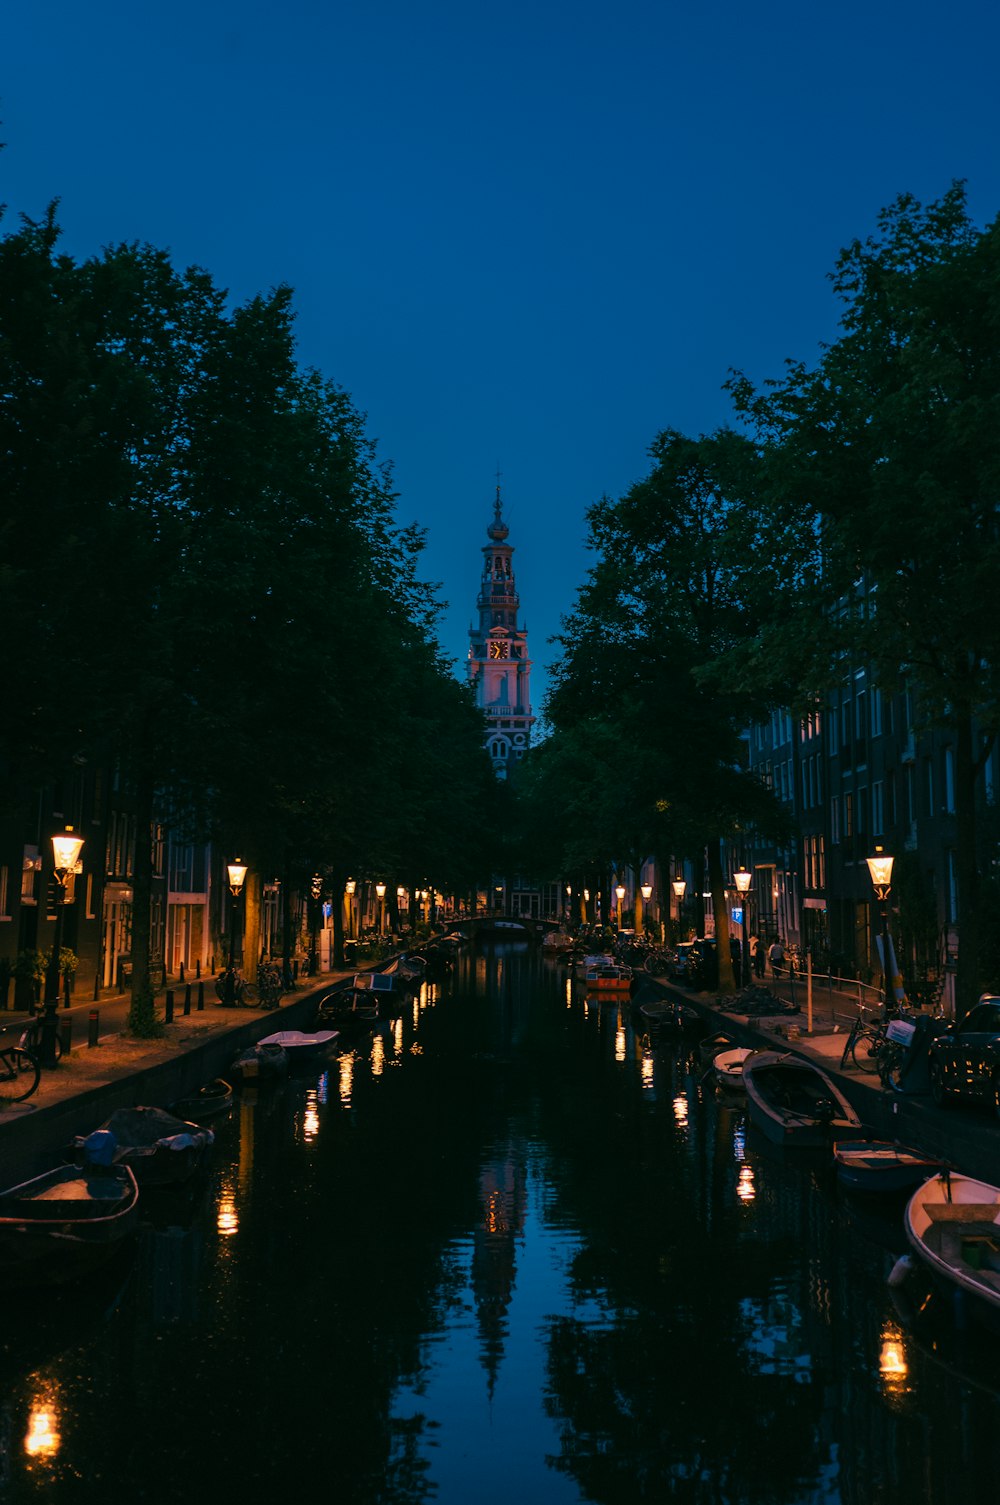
<point>890,1061</point>
<point>863,1051</point>
<point>19,1074</point>
<point>248,995</point>
<point>31,1040</point>
<point>849,1044</point>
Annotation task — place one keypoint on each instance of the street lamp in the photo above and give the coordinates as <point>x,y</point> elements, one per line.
<point>380,890</point>
<point>880,868</point>
<point>237,877</point>
<point>646,889</point>
<point>620,893</point>
<point>351,887</point>
<point>315,893</point>
<point>569,902</point>
<point>66,849</point>
<point>743,879</point>
<point>679,886</point>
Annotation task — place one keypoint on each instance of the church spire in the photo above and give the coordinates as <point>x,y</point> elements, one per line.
<point>498,664</point>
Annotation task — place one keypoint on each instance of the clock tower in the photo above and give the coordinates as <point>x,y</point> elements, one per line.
<point>498,653</point>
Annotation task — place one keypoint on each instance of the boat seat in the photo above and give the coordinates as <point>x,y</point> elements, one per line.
<point>963,1212</point>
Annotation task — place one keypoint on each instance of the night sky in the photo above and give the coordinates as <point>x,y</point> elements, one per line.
<point>527,235</point>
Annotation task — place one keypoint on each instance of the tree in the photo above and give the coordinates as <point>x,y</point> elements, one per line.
<point>888,454</point>
<point>668,602</point>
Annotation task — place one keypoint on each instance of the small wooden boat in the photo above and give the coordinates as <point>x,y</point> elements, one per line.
<point>406,971</point>
<point>556,942</point>
<point>608,978</point>
<point>347,1012</point>
<point>260,1063</point>
<point>214,1098</point>
<point>880,1165</point>
<point>59,1226</point>
<point>380,988</point>
<point>159,1148</point>
<point>300,1046</point>
<point>727,1067</point>
<point>710,1047</point>
<point>584,964</point>
<point>953,1225</point>
<point>667,1014</point>
<point>793,1103</point>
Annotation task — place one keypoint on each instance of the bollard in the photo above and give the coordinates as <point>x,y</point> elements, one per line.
<point>169,1008</point>
<point>93,1026</point>
<point>201,995</point>
<point>197,966</point>
<point>65,991</point>
<point>66,1036</point>
<point>187,998</point>
<point>182,972</point>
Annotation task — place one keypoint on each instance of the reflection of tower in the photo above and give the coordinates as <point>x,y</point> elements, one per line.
<point>499,666</point>
<point>502,1201</point>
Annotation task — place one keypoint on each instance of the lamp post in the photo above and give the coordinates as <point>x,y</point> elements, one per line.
<point>400,896</point>
<point>380,891</point>
<point>880,868</point>
<point>315,893</point>
<point>646,889</point>
<point>351,888</point>
<point>569,903</point>
<point>620,894</point>
<point>66,849</point>
<point>743,879</point>
<point>237,877</point>
<point>679,886</point>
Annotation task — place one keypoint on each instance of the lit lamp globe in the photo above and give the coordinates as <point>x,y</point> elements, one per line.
<point>880,868</point>
<point>237,877</point>
<point>646,889</point>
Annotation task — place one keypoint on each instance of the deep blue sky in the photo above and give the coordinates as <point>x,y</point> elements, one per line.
<point>529,234</point>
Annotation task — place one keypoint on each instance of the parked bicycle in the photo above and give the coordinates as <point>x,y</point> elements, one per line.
<point>232,990</point>
<point>19,1074</point>
<point>270,984</point>
<point>871,1048</point>
<point>31,1038</point>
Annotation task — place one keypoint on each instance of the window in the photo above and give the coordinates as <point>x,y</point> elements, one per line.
<point>820,863</point>
<point>876,713</point>
<point>951,893</point>
<point>848,814</point>
<point>861,716</point>
<point>835,821</point>
<point>949,780</point>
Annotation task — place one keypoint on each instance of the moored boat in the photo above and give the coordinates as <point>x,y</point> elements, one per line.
<point>159,1148</point>
<point>712,1044</point>
<point>260,1063</point>
<point>608,978</point>
<point>953,1225</point>
<point>60,1225</point>
<point>881,1165</point>
<point>298,1045</point>
<point>792,1102</point>
<point>213,1098</point>
<point>727,1067</point>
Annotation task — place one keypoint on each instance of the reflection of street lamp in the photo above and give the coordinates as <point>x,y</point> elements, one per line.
<point>620,894</point>
<point>237,877</point>
<point>66,849</point>
<point>380,890</point>
<point>743,879</point>
<point>880,868</point>
<point>315,893</point>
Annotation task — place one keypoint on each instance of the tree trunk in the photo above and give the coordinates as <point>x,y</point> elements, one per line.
<point>142,1020</point>
<point>966,871</point>
<point>716,882</point>
<point>251,925</point>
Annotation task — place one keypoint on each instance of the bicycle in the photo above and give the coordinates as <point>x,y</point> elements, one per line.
<point>233,990</point>
<point>864,1040</point>
<point>31,1038</point>
<point>19,1074</point>
<point>270,985</point>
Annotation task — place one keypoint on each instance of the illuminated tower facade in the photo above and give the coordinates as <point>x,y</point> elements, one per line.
<point>499,666</point>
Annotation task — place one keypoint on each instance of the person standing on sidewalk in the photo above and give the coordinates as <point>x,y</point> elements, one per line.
<point>757,957</point>
<point>776,956</point>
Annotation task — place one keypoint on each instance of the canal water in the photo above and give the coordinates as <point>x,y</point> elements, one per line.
<point>506,1250</point>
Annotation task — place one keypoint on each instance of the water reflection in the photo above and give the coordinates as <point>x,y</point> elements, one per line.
<point>512,1269</point>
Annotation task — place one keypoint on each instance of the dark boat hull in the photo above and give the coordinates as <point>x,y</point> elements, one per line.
<point>60,1226</point>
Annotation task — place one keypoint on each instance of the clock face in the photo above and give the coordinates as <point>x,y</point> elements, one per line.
<point>499,648</point>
